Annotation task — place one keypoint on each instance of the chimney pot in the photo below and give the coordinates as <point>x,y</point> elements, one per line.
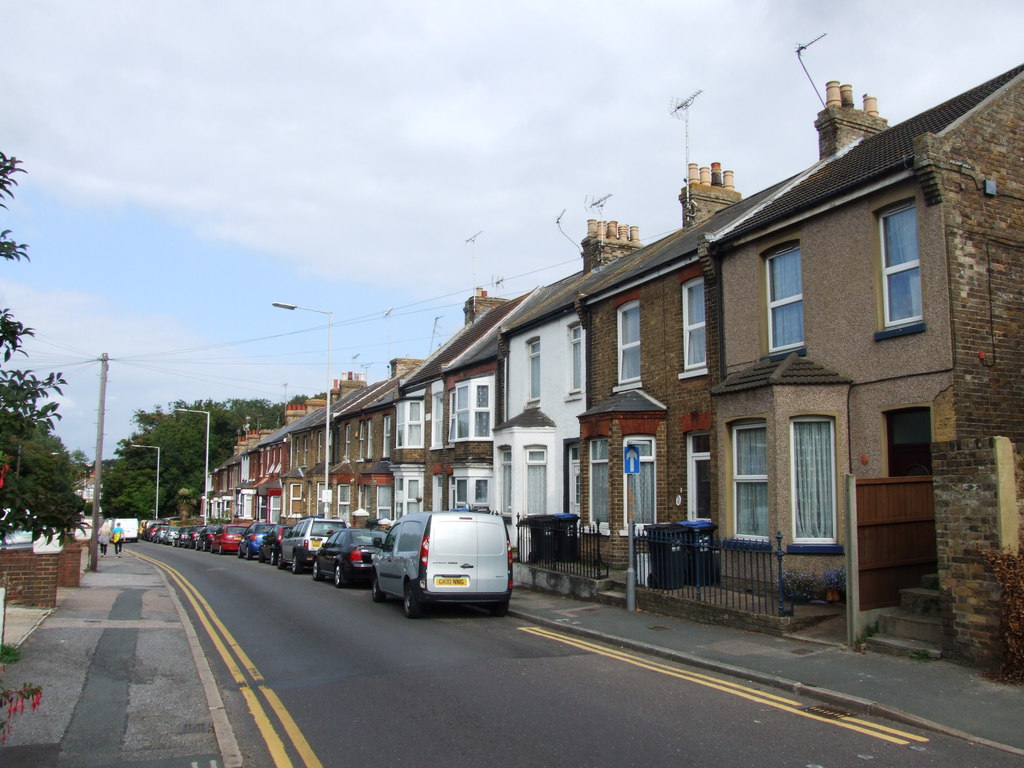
<point>705,176</point>
<point>727,180</point>
<point>591,227</point>
<point>634,234</point>
<point>832,98</point>
<point>846,95</point>
<point>716,174</point>
<point>612,233</point>
<point>871,105</point>
<point>692,174</point>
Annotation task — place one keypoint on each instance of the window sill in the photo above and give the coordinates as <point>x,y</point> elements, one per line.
<point>782,354</point>
<point>573,397</point>
<point>814,549</point>
<point>626,387</point>
<point>903,330</point>
<point>697,372</point>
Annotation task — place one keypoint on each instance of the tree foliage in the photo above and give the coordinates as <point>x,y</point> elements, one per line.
<point>29,496</point>
<point>128,488</point>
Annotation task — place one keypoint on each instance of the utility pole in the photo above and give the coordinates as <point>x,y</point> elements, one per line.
<point>98,467</point>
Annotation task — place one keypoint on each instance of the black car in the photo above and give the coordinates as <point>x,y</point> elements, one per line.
<point>270,545</point>
<point>197,536</point>
<point>207,538</point>
<point>347,556</point>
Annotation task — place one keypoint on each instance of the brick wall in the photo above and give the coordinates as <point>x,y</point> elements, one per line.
<point>70,564</point>
<point>985,236</point>
<point>966,503</point>
<point>30,578</point>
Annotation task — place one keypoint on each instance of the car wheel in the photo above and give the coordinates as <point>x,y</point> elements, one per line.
<point>280,561</point>
<point>241,552</point>
<point>248,553</point>
<point>317,576</point>
<point>411,602</point>
<point>376,593</point>
<point>498,609</point>
<point>340,577</point>
<point>260,557</point>
<point>296,564</point>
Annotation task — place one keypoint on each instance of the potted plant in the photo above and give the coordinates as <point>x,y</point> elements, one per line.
<point>834,582</point>
<point>801,586</point>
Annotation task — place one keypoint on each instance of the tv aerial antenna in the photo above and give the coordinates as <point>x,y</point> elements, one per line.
<point>597,203</point>
<point>800,48</point>
<point>680,109</point>
<point>472,241</point>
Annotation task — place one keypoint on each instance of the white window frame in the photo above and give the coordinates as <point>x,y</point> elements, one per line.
<point>409,432</point>
<point>505,463</point>
<point>694,333</point>
<point>648,461</point>
<point>533,366</point>
<point>386,445</point>
<point>294,496</point>
<point>631,346</point>
<point>385,508</point>
<point>348,441</point>
<point>536,459</point>
<point>782,302</point>
<point>599,515</point>
<point>897,271</point>
<point>827,489</point>
<point>472,409</point>
<point>437,420</point>
<point>693,458</point>
<point>344,501</point>
<point>368,453</point>
<point>575,332</point>
<point>748,479</point>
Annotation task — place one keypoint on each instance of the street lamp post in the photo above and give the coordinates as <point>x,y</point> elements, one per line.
<point>327,417</point>
<point>156,502</point>
<point>206,466</point>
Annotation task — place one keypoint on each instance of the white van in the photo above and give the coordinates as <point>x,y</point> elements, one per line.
<point>130,525</point>
<point>445,557</point>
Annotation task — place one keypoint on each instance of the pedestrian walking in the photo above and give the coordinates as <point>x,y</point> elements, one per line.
<point>103,537</point>
<point>117,537</point>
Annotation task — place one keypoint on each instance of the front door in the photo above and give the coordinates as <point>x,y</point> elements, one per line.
<point>575,489</point>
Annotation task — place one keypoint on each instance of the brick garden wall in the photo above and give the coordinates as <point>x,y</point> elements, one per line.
<point>966,520</point>
<point>30,578</point>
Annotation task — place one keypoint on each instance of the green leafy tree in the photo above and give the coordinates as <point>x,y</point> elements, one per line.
<point>38,506</point>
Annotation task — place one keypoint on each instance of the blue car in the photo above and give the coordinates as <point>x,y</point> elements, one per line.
<point>249,546</point>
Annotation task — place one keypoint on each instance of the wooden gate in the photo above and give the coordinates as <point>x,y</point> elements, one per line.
<point>896,537</point>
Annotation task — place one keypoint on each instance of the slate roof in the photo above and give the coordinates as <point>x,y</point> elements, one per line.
<point>531,418</point>
<point>630,401</point>
<point>793,370</point>
<point>462,342</point>
<point>876,156</point>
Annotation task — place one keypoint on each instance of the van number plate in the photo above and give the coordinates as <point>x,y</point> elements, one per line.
<point>451,581</point>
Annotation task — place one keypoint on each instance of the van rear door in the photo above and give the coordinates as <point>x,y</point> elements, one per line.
<point>468,554</point>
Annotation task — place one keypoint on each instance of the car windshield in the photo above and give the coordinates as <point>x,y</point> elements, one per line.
<point>362,536</point>
<point>324,527</point>
<point>235,529</point>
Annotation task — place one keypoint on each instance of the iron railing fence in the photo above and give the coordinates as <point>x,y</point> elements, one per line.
<point>561,543</point>
<point>739,574</point>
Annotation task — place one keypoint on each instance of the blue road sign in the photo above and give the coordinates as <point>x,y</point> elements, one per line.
<point>631,459</point>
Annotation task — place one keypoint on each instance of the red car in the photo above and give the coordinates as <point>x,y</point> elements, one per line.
<point>227,539</point>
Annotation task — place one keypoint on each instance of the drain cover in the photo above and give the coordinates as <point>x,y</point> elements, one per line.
<point>196,728</point>
<point>658,629</point>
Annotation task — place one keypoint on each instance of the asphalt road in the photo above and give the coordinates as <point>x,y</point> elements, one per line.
<point>312,675</point>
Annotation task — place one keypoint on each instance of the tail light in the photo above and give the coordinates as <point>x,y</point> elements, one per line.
<point>510,580</point>
<point>424,551</point>
<point>356,556</point>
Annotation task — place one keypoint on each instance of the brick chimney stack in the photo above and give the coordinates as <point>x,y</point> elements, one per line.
<point>606,241</point>
<point>403,366</point>
<point>479,303</point>
<point>707,190</point>
<point>348,383</point>
<point>840,124</point>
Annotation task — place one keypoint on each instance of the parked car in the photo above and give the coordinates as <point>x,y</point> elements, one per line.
<point>270,546</point>
<point>252,537</point>
<point>347,556</point>
<point>160,535</point>
<point>208,534</point>
<point>227,538</point>
<point>197,536</point>
<point>445,557</point>
<point>303,539</point>
<point>171,537</point>
<point>185,536</point>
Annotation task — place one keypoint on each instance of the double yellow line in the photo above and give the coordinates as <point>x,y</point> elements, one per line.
<point>790,706</point>
<point>248,678</point>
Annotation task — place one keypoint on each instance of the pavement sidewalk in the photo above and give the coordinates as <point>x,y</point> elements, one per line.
<point>128,611</point>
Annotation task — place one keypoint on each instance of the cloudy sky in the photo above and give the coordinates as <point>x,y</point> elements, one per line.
<point>189,163</point>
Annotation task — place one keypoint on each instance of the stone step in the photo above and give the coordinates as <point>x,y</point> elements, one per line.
<point>927,629</point>
<point>931,581</point>
<point>920,601</point>
<point>902,646</point>
<point>614,598</point>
